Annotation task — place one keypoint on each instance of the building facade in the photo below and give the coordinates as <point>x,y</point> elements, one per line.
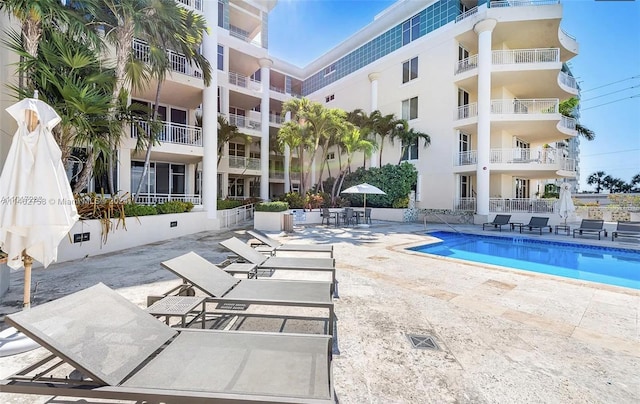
<point>483,79</point>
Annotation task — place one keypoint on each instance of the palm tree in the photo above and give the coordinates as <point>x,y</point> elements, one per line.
<point>33,16</point>
<point>597,179</point>
<point>351,140</point>
<point>409,138</point>
<point>70,76</point>
<point>635,183</point>
<point>569,109</point>
<point>387,126</point>
<point>177,29</point>
<point>226,133</point>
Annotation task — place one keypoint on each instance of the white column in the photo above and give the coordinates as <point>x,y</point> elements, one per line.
<point>483,173</point>
<point>209,118</point>
<point>373,78</point>
<point>265,65</point>
<point>287,159</point>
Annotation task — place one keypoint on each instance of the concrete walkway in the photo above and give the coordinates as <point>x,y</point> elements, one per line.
<point>504,336</point>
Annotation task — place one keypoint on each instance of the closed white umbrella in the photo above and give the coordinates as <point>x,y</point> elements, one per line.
<point>565,203</point>
<point>364,189</point>
<point>37,208</point>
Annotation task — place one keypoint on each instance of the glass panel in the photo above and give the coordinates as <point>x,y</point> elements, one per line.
<point>414,68</point>
<point>405,72</point>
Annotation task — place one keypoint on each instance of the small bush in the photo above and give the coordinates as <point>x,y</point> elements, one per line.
<point>272,207</point>
<point>295,200</point>
<point>228,204</point>
<point>133,209</point>
<point>174,207</point>
<point>401,203</point>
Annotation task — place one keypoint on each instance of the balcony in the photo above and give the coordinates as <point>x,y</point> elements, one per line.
<point>522,205</point>
<point>243,81</point>
<point>244,163</point>
<point>538,55</point>
<point>245,122</point>
<point>243,35</point>
<point>178,61</point>
<point>175,133</point>
<point>191,4</point>
<point>522,3</point>
<point>525,107</point>
<point>277,119</point>
<point>543,158</point>
<point>568,83</point>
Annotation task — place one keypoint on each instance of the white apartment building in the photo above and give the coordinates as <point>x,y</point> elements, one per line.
<point>483,79</point>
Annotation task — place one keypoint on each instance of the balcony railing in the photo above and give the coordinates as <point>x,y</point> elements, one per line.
<point>278,175</point>
<point>568,80</point>
<point>178,61</point>
<point>554,157</point>
<point>176,133</point>
<point>241,34</point>
<point>467,64</point>
<point>467,111</point>
<point>466,14</point>
<point>465,204</point>
<point>273,118</point>
<point>241,80</point>
<point>244,122</point>
<point>521,205</point>
<point>501,57</point>
<point>277,89</point>
<point>567,122</point>
<point>530,106</point>
<point>193,4</point>
<point>248,163</point>
<point>153,198</point>
<point>522,3</point>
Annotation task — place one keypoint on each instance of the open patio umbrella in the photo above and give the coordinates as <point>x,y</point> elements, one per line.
<point>364,189</point>
<point>565,203</point>
<point>37,208</point>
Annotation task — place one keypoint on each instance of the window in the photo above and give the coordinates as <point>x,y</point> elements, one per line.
<point>410,109</point>
<point>465,186</point>
<point>329,98</point>
<point>410,150</point>
<point>331,156</point>
<point>522,188</point>
<point>410,30</point>
<point>410,70</point>
<point>329,69</point>
<point>236,149</point>
<point>220,57</point>
<point>220,14</point>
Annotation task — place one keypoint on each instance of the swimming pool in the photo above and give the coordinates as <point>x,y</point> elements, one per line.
<point>613,266</point>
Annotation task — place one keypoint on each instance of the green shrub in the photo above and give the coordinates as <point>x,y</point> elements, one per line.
<point>401,203</point>
<point>294,199</point>
<point>228,204</point>
<point>272,207</point>
<point>174,207</point>
<point>133,209</point>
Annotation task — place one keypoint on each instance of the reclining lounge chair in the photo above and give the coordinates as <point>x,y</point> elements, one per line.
<point>222,287</point>
<point>121,352</point>
<point>276,246</point>
<point>498,222</point>
<point>590,226</point>
<point>536,223</point>
<point>626,229</point>
<point>246,253</point>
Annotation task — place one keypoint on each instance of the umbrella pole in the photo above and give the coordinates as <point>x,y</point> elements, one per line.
<point>27,261</point>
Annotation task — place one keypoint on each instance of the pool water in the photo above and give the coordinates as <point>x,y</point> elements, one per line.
<point>612,266</point>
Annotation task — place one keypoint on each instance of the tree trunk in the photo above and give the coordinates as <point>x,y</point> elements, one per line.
<point>151,141</point>
<point>85,173</point>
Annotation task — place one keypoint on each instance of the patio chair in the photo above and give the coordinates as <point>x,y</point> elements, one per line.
<point>272,263</point>
<point>535,223</point>
<point>104,347</point>
<point>367,215</point>
<point>349,216</point>
<point>276,246</point>
<point>626,229</point>
<point>590,226</point>
<point>222,287</point>
<point>498,222</point>
<point>328,216</point>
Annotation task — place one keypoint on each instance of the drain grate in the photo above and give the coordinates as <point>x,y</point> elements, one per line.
<point>422,342</point>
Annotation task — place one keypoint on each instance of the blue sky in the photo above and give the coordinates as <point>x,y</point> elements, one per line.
<point>607,31</point>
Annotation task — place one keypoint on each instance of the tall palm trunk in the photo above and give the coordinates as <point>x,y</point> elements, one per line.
<point>151,141</point>
<point>85,173</point>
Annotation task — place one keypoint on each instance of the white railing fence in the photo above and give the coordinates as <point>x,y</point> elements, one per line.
<point>568,80</point>
<point>521,205</point>
<point>465,204</point>
<point>233,217</point>
<point>249,163</point>
<point>522,3</point>
<point>524,106</point>
<point>466,14</point>
<point>500,57</point>
<point>244,122</point>
<point>466,64</point>
<point>171,132</point>
<point>194,4</point>
<point>179,62</point>
<point>466,111</point>
<point>154,199</point>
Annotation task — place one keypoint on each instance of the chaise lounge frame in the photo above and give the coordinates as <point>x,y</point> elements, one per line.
<point>276,246</point>
<point>222,287</point>
<point>535,223</point>
<point>590,226</point>
<point>498,222</point>
<point>626,229</point>
<point>262,262</point>
<point>121,352</point>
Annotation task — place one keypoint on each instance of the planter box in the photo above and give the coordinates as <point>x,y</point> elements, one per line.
<point>87,234</point>
<point>268,221</point>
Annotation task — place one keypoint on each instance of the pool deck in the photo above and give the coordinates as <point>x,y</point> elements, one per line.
<point>504,336</point>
